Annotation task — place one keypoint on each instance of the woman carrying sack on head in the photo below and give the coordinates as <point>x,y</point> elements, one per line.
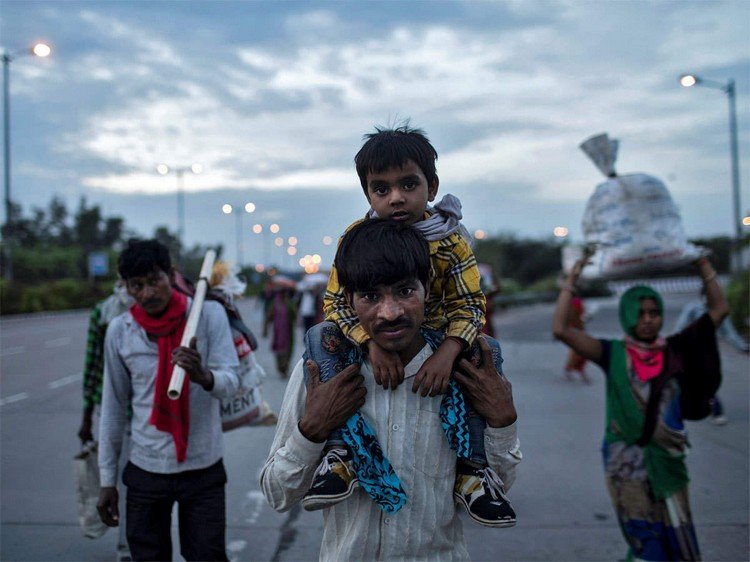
<point>652,384</point>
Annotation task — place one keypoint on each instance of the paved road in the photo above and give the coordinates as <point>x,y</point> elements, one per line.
<point>564,513</point>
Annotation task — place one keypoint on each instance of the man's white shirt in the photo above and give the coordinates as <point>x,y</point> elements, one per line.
<point>410,432</point>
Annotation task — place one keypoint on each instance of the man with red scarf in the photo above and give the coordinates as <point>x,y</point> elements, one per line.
<point>176,445</point>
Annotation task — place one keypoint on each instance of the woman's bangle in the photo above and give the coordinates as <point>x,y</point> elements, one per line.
<point>710,277</point>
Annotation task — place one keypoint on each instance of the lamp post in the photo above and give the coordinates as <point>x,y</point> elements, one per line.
<point>688,80</point>
<point>163,169</point>
<point>228,209</point>
<point>39,50</point>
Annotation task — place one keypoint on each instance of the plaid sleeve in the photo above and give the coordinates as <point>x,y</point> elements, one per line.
<point>337,310</point>
<point>93,369</point>
<point>463,299</point>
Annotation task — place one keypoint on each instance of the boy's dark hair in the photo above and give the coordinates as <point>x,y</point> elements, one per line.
<point>140,257</point>
<point>381,252</point>
<point>391,148</point>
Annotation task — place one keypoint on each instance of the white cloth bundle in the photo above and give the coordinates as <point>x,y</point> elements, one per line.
<point>631,221</point>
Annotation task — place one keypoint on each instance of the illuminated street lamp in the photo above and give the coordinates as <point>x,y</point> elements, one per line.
<point>228,209</point>
<point>688,80</point>
<point>196,169</point>
<point>480,234</point>
<point>560,231</point>
<point>38,50</point>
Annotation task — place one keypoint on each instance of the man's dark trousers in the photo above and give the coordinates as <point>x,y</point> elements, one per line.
<point>200,496</point>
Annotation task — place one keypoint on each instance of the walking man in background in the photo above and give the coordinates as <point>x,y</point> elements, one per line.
<point>176,445</point>
<point>93,372</point>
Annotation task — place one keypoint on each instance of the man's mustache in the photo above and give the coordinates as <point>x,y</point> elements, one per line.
<point>393,325</point>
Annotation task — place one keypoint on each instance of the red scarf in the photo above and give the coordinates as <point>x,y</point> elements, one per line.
<point>647,358</point>
<point>172,416</point>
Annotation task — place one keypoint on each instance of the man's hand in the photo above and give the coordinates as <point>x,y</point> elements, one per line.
<point>107,506</point>
<point>329,404</point>
<point>189,359</point>
<point>85,433</point>
<point>386,366</point>
<point>489,392</point>
<point>435,373</point>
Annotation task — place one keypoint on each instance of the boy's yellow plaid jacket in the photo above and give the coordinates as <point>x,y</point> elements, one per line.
<point>455,303</point>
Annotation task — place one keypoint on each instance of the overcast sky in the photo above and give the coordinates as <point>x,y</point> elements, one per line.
<point>272,98</point>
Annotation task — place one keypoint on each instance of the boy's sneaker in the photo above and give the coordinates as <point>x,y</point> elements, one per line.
<point>335,480</point>
<point>481,492</point>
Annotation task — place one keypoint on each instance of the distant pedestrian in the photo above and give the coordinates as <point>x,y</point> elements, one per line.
<point>93,373</point>
<point>281,317</point>
<point>176,445</point>
<point>574,361</point>
<point>652,383</point>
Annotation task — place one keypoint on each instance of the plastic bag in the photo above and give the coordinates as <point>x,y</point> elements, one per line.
<point>246,407</point>
<point>631,221</point>
<point>86,478</point>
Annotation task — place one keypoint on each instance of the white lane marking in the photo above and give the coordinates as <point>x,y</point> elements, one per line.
<point>14,398</point>
<point>234,549</point>
<point>12,350</point>
<point>255,500</point>
<point>65,380</point>
<point>57,342</point>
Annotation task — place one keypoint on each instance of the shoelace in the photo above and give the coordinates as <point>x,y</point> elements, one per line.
<point>493,484</point>
<point>325,465</point>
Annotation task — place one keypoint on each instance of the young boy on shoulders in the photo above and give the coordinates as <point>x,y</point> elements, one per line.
<point>397,172</point>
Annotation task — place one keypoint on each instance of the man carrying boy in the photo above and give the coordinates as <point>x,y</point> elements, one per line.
<point>398,176</point>
<point>176,445</point>
<point>384,269</point>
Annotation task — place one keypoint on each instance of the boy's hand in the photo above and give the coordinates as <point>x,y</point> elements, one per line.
<point>435,373</point>
<point>386,366</point>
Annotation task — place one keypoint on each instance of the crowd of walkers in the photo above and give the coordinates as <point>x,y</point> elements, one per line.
<point>399,415</point>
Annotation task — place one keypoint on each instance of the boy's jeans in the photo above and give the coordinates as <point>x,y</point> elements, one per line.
<point>329,348</point>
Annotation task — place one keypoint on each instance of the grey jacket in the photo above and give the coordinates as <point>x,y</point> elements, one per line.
<point>130,375</point>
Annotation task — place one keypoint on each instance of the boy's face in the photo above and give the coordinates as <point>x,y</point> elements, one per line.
<point>392,315</point>
<point>152,292</point>
<point>400,194</point>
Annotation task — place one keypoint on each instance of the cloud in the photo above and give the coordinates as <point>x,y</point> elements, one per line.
<point>506,93</point>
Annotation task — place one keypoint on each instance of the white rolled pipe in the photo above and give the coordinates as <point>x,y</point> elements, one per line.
<point>178,373</point>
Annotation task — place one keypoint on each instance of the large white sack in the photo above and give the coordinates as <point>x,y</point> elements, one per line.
<point>636,229</point>
<point>631,221</point>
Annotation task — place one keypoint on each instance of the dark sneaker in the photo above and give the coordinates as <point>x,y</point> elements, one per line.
<point>481,492</point>
<point>335,480</point>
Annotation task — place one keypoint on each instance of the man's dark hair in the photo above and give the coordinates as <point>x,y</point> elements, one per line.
<point>391,148</point>
<point>140,257</point>
<point>381,252</point>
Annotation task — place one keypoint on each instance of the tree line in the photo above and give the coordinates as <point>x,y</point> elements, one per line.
<point>50,248</point>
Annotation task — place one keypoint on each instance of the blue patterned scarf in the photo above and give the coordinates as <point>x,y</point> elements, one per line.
<point>374,470</point>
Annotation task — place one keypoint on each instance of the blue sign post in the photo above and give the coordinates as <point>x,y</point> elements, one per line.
<point>98,264</point>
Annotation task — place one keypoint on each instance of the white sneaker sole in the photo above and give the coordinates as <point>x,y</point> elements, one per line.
<point>485,522</point>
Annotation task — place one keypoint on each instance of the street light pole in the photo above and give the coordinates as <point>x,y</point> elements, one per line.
<point>180,173</point>
<point>40,50</point>
<point>228,209</point>
<point>688,80</point>
<point>163,169</point>
<point>6,151</point>
<point>735,170</point>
